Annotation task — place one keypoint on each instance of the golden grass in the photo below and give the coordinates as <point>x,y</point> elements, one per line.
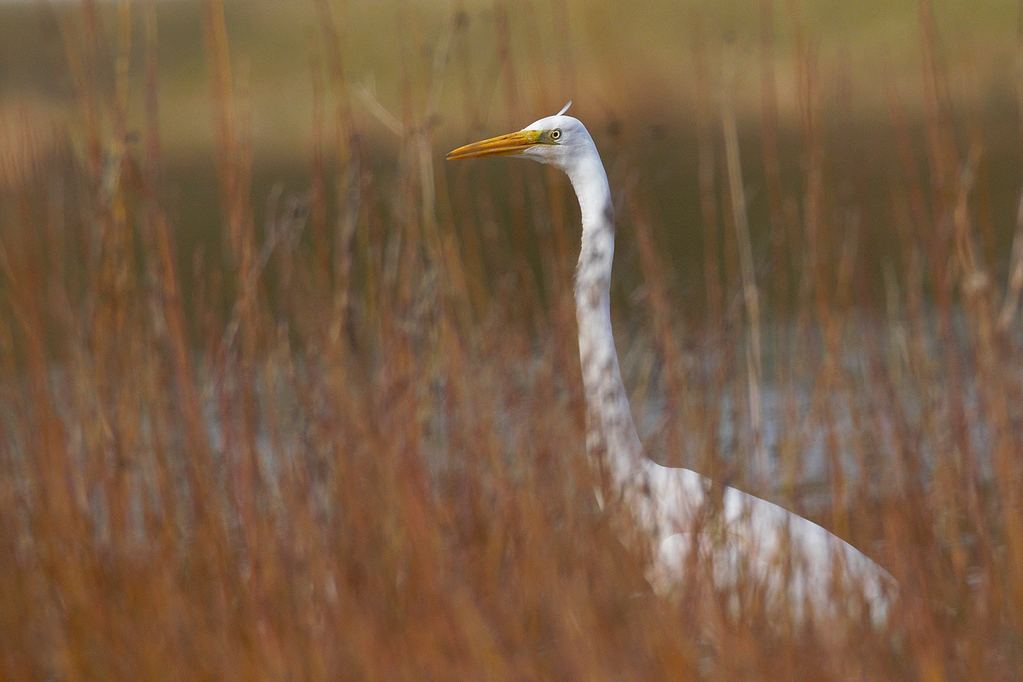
<point>357,451</point>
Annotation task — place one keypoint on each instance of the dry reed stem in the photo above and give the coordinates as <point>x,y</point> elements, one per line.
<point>711,464</point>
<point>527,294</point>
<point>426,510</point>
<point>1015,284</point>
<point>772,163</point>
<point>708,193</point>
<point>751,296</point>
<point>317,170</point>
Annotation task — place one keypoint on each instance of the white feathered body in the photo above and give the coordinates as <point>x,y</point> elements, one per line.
<point>797,563</point>
<point>793,559</point>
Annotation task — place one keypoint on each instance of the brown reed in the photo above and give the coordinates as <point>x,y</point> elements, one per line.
<point>359,453</point>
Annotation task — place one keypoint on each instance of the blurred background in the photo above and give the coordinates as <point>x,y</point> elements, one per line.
<point>462,70</point>
<point>285,395</point>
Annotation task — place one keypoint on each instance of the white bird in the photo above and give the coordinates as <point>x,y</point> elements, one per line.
<point>794,559</point>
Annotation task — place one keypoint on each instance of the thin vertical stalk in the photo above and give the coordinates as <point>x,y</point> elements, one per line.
<point>1014,287</point>
<point>714,328</point>
<point>751,295</point>
<point>772,161</point>
<point>317,171</point>
<point>976,286</point>
<point>351,178</point>
<point>527,297</point>
<point>708,191</point>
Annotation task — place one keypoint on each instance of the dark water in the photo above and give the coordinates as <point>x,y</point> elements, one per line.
<point>658,160</point>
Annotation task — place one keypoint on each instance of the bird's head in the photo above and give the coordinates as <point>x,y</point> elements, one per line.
<point>558,140</point>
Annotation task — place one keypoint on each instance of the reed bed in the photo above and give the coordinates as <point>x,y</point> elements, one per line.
<point>354,449</point>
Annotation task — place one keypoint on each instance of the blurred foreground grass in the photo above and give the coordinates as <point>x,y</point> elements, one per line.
<point>282,397</point>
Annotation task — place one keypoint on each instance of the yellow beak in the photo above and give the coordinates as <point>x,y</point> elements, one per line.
<point>512,143</point>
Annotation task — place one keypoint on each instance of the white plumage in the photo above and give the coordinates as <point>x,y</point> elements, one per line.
<point>792,558</point>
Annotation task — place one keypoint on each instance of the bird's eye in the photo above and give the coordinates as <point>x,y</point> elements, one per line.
<point>556,134</point>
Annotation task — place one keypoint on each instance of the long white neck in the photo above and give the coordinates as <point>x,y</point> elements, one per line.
<point>610,431</point>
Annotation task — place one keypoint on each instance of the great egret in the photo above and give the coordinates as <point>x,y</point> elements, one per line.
<point>794,559</point>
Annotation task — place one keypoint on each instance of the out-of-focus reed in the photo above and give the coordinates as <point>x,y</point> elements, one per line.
<point>357,453</point>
